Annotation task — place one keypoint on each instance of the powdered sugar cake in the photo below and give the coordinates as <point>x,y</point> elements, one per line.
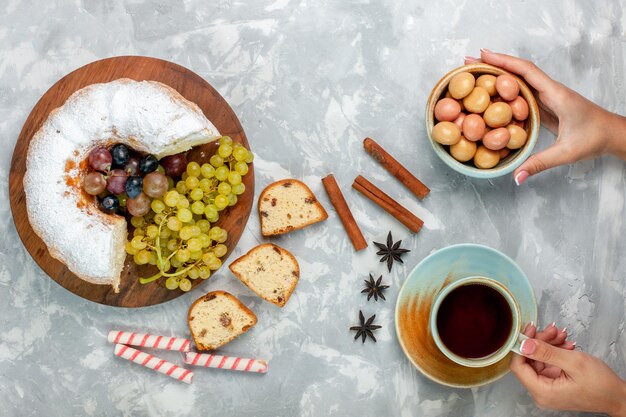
<point>149,117</point>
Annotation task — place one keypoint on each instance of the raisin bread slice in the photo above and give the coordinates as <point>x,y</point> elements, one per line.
<point>217,318</point>
<point>287,205</point>
<point>270,271</point>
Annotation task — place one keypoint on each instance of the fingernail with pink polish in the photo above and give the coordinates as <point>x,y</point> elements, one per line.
<point>485,50</point>
<point>470,58</point>
<point>528,346</point>
<point>564,329</point>
<point>521,177</point>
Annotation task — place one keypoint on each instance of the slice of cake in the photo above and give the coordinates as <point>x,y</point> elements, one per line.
<point>270,271</point>
<point>217,318</point>
<point>287,205</point>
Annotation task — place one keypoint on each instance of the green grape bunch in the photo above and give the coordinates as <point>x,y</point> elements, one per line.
<point>177,235</point>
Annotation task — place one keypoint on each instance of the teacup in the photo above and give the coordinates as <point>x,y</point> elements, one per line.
<point>475,322</point>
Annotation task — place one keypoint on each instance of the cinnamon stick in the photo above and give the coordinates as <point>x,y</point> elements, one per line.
<point>395,168</point>
<point>344,213</point>
<point>404,216</point>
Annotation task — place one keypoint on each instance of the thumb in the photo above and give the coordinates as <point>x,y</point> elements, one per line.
<point>554,156</point>
<point>544,352</point>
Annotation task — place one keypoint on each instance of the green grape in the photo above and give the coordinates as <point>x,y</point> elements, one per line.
<point>208,257</point>
<point>185,233</point>
<point>130,249</point>
<point>226,140</point>
<point>225,150</point>
<point>184,215</point>
<point>137,221</point>
<point>181,187</point>
<point>204,272</point>
<point>196,255</point>
<point>205,185</point>
<point>241,167</point>
<point>170,183</point>
<point>182,202</point>
<point>185,284</point>
<point>216,161</point>
<point>166,266</point>
<point>171,283</point>
<point>175,262</point>
<point>210,211</point>
<point>195,231</point>
<point>214,264</point>
<point>165,233</point>
<point>122,199</point>
<point>232,200</point>
<point>207,170</point>
<point>138,243</point>
<point>193,273</point>
<point>220,250</point>
<point>196,194</point>
<point>184,176</point>
<point>153,258</point>
<point>240,153</point>
<point>215,233</point>
<point>223,236</point>
<point>204,225</point>
<point>214,219</point>
<point>158,218</point>
<point>234,178</point>
<point>238,189</point>
<point>221,173</point>
<point>174,224</point>
<point>171,198</point>
<point>142,257</point>
<point>152,231</point>
<point>223,188</point>
<point>221,201</point>
<point>163,244</point>
<point>157,206</point>
<point>249,157</point>
<point>139,232</point>
<point>192,182</point>
<point>204,240</point>
<point>193,169</point>
<point>172,245</point>
<point>183,255</point>
<point>194,244</point>
<point>197,207</point>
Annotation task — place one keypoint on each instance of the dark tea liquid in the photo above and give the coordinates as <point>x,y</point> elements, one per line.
<point>474,321</point>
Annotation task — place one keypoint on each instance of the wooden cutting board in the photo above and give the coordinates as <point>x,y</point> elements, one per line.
<point>193,88</point>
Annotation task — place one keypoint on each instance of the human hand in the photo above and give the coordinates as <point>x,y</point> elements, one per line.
<point>559,377</point>
<point>583,129</point>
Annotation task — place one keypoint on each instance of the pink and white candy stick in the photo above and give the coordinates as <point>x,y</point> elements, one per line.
<point>154,363</point>
<point>226,362</point>
<point>149,340</point>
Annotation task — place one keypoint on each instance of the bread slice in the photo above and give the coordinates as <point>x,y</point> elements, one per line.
<point>270,271</point>
<point>287,205</point>
<point>217,318</point>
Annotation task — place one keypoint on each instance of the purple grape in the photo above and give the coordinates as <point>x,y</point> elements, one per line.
<point>174,165</point>
<point>120,154</point>
<point>94,183</point>
<point>139,206</point>
<point>132,166</point>
<point>148,164</point>
<point>133,186</point>
<point>109,204</point>
<point>155,184</point>
<point>100,159</point>
<point>116,182</point>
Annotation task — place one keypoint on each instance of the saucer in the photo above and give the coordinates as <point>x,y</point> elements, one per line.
<point>418,293</point>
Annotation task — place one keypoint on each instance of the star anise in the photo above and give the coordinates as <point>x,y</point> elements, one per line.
<point>366,328</point>
<point>374,289</point>
<point>391,251</point>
